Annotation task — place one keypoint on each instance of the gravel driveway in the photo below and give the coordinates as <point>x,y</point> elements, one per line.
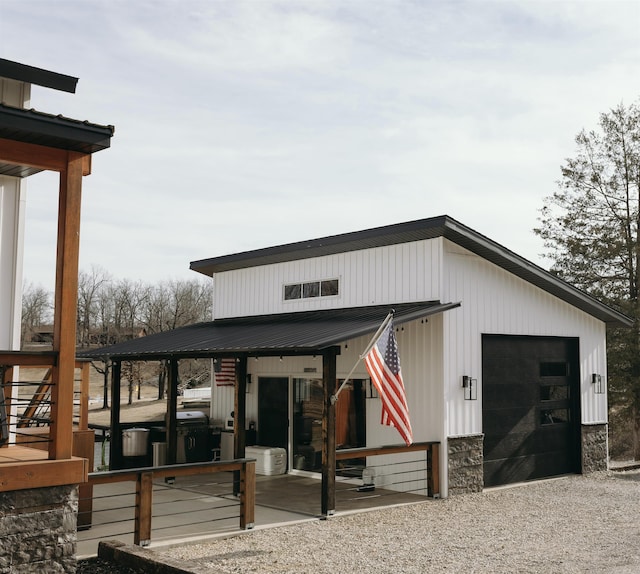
<point>571,524</point>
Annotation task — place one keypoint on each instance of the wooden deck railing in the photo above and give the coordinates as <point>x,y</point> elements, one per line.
<point>144,478</point>
<point>432,450</point>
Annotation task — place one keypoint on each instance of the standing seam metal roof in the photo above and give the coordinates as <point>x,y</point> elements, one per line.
<point>283,334</point>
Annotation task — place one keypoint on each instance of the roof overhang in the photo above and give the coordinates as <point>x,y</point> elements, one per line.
<point>44,132</point>
<point>37,76</point>
<point>442,226</point>
<point>303,333</point>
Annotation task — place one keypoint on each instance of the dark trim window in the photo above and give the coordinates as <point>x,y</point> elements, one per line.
<point>311,289</point>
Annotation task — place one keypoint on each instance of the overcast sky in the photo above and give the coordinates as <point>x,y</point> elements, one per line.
<point>248,124</point>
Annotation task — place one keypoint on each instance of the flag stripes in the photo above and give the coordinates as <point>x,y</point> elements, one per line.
<point>225,372</point>
<point>383,364</point>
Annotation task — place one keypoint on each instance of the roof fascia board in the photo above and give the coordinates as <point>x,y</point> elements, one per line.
<point>352,241</point>
<point>37,76</point>
<point>70,134</point>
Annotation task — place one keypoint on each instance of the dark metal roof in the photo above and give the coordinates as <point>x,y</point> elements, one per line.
<point>442,226</point>
<point>38,76</point>
<point>33,127</point>
<point>283,334</point>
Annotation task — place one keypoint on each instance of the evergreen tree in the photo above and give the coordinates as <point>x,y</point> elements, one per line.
<point>591,227</point>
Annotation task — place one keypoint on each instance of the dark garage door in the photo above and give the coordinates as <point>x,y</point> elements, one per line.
<point>530,414</point>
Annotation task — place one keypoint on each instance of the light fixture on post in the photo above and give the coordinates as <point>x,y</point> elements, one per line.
<point>598,383</point>
<point>470,387</point>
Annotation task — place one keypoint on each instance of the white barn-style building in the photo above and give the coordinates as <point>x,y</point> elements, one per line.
<point>504,364</point>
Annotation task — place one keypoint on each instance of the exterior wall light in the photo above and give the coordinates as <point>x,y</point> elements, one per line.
<point>598,384</point>
<point>470,387</point>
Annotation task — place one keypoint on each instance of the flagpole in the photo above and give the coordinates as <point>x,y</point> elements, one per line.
<point>374,340</point>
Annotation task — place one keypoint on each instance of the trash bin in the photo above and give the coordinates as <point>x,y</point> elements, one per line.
<point>159,450</point>
<point>134,442</point>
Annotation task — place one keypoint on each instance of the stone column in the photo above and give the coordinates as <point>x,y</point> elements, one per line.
<point>466,472</point>
<point>38,530</point>
<point>595,448</point>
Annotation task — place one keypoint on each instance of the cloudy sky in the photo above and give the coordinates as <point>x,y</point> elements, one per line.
<point>247,124</point>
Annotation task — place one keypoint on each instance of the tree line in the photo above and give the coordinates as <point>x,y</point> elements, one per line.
<point>111,311</point>
<point>114,310</point>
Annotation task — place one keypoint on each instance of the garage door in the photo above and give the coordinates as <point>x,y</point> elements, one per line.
<point>530,415</point>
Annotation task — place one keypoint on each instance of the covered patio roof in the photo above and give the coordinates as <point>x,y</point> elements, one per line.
<point>281,334</point>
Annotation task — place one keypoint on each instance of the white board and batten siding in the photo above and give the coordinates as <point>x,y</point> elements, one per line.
<point>420,347</point>
<point>396,273</point>
<point>495,301</point>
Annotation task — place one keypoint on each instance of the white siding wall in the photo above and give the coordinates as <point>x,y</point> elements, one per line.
<point>391,274</point>
<point>420,348</point>
<point>14,93</point>
<point>497,302</point>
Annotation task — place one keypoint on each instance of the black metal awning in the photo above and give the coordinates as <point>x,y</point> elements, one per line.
<point>300,333</point>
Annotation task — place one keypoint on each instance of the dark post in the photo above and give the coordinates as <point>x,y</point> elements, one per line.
<point>239,417</point>
<point>115,448</point>
<point>328,502</point>
<point>172,407</point>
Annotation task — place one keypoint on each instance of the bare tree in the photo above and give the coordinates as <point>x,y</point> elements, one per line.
<point>36,309</point>
<point>89,287</point>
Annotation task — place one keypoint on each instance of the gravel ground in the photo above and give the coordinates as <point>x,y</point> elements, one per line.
<point>574,524</point>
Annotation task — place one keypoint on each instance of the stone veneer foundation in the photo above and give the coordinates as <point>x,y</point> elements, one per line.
<point>595,448</point>
<point>465,455</point>
<point>38,530</point>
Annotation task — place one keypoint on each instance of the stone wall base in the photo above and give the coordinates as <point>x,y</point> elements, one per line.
<point>38,530</point>
<point>465,456</point>
<point>595,448</point>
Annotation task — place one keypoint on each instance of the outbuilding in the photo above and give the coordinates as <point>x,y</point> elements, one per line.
<point>504,364</point>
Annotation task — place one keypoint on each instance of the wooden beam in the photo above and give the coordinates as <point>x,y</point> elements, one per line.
<point>38,472</point>
<point>144,509</point>
<point>433,460</point>
<point>66,301</point>
<point>247,495</point>
<point>21,359</point>
<point>328,490</point>
<point>34,155</point>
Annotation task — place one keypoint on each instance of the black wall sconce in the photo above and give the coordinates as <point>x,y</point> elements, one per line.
<point>598,384</point>
<point>470,387</point>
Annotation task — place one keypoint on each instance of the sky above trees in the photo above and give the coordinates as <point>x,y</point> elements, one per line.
<point>247,124</point>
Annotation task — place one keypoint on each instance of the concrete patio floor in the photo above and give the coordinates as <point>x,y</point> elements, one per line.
<point>195,508</point>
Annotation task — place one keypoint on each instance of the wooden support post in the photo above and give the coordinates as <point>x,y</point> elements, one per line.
<point>6,390</point>
<point>328,502</point>
<point>247,495</point>
<point>115,446</point>
<point>144,508</point>
<point>84,395</point>
<point>66,301</point>
<point>172,417</point>
<point>433,460</point>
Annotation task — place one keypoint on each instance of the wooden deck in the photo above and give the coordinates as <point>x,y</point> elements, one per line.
<point>23,467</point>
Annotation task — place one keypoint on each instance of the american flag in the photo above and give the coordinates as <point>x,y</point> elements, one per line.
<point>383,364</point>
<point>225,372</point>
